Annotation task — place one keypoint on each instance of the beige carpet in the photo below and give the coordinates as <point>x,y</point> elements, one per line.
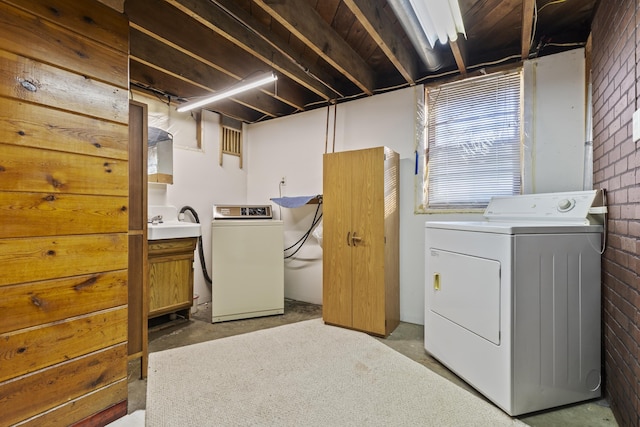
<point>305,374</point>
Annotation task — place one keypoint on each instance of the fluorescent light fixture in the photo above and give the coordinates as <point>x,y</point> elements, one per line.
<point>242,86</point>
<point>440,19</point>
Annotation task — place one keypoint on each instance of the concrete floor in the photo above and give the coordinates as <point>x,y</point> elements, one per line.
<point>407,339</point>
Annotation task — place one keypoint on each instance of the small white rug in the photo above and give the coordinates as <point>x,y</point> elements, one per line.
<point>305,374</point>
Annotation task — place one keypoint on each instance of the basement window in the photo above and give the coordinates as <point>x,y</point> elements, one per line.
<point>473,142</point>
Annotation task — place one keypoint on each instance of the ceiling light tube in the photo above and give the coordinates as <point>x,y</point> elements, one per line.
<point>409,21</point>
<point>242,86</point>
<point>440,19</point>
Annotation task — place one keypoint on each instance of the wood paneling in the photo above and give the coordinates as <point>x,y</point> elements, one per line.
<point>27,35</point>
<point>33,169</point>
<point>64,207</point>
<point>48,214</point>
<point>21,351</point>
<point>31,394</point>
<point>36,82</point>
<point>104,417</point>
<point>42,258</point>
<point>30,304</point>
<point>29,125</point>
<point>93,20</point>
<point>83,407</point>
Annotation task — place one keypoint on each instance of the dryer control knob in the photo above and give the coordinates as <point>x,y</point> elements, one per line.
<point>565,205</point>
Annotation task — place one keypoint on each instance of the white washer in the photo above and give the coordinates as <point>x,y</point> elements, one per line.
<point>512,303</point>
<point>247,263</point>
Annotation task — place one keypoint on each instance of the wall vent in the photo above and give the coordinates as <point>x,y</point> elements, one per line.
<point>231,139</point>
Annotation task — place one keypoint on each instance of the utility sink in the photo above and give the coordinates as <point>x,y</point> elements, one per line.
<point>172,230</point>
<point>164,224</point>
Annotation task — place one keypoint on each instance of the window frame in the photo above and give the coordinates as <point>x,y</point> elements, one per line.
<point>423,205</point>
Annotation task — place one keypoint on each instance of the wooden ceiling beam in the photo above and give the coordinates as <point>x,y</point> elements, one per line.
<point>225,26</point>
<point>154,53</point>
<point>379,26</point>
<point>143,76</point>
<point>459,49</point>
<point>164,23</point>
<point>302,20</point>
<point>262,31</point>
<point>528,7</point>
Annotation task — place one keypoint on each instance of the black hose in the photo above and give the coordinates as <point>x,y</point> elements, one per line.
<point>193,212</point>
<point>305,236</point>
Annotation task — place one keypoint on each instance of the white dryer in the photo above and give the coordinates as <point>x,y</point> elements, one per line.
<point>512,303</point>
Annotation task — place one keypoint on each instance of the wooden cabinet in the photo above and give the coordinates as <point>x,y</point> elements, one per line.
<point>361,239</point>
<point>171,276</point>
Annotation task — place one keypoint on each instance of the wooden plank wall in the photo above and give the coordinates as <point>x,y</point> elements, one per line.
<point>64,199</point>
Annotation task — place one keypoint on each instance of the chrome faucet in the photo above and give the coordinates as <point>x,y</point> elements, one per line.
<point>156,220</point>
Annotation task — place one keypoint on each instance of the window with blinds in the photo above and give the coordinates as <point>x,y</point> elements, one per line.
<point>473,141</point>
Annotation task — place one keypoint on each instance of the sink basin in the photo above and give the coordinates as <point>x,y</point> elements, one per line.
<point>172,230</point>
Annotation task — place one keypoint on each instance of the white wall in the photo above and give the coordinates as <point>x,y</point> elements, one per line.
<point>293,147</point>
<point>555,127</point>
<point>198,179</point>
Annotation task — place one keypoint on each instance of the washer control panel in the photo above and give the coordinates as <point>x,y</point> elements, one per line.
<point>567,206</point>
<point>242,212</point>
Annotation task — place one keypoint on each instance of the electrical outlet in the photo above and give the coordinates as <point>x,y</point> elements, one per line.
<point>283,181</point>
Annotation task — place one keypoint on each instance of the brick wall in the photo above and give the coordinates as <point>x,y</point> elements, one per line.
<point>616,85</point>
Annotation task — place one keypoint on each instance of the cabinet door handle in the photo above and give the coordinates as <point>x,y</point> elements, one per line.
<point>348,241</point>
<point>355,239</point>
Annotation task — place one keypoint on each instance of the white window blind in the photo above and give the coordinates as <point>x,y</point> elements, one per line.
<point>473,141</point>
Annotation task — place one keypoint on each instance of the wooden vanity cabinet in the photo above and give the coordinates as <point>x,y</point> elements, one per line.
<point>171,276</point>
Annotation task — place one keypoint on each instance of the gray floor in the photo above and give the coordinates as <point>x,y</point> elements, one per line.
<point>406,339</point>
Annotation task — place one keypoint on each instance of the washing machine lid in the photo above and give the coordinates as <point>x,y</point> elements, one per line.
<point>566,212</point>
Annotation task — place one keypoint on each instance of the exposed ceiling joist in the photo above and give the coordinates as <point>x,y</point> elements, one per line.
<point>149,79</point>
<point>328,50</point>
<point>528,7</point>
<point>459,49</point>
<point>306,24</point>
<point>379,27</point>
<point>221,23</point>
<point>152,52</point>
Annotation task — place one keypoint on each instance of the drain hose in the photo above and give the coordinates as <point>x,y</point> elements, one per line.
<point>207,278</point>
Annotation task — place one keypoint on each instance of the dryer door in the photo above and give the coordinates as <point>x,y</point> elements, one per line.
<point>465,290</point>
